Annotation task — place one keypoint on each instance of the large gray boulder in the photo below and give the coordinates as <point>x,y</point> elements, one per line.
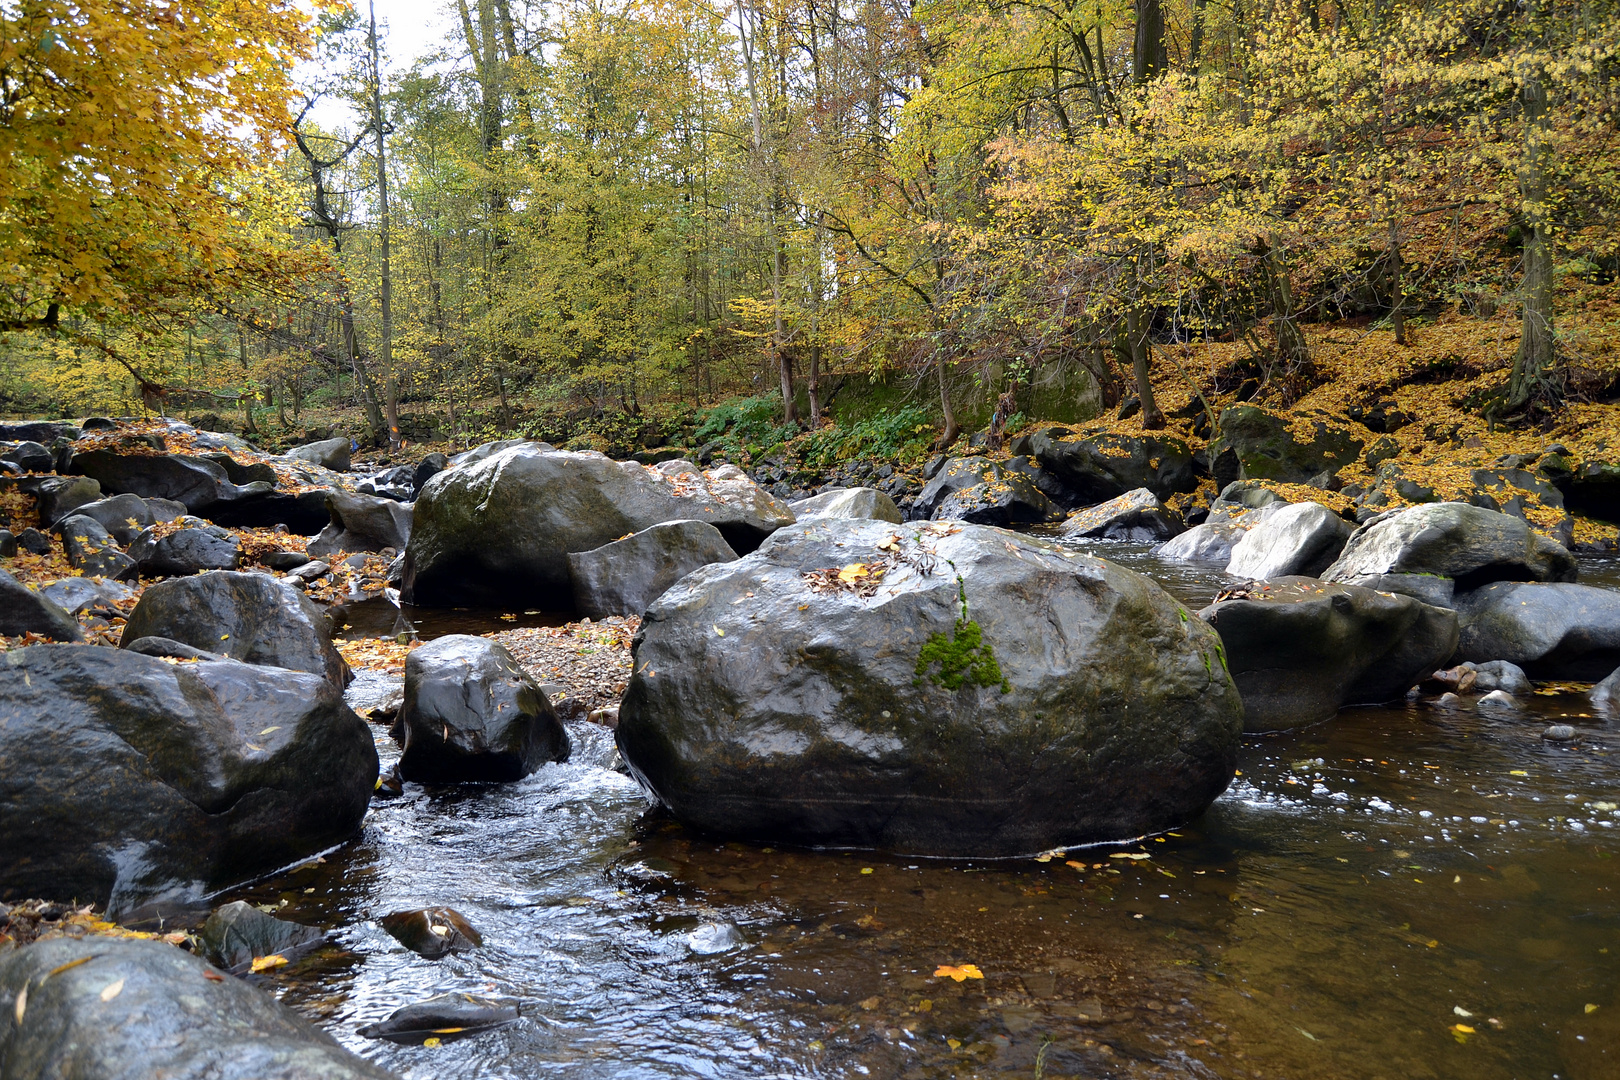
<point>251,617</point>
<point>1255,444</point>
<point>328,453</point>
<point>1605,695</point>
<point>196,547</point>
<point>856,502</point>
<point>499,531</point>
<point>1135,515</point>
<point>955,474</point>
<point>1211,542</point>
<point>59,496</point>
<point>471,714</point>
<point>1551,630</point>
<point>1009,498</point>
<point>1296,539</point>
<point>1470,544</point>
<point>197,482</point>
<point>91,550</point>
<point>362,523</point>
<point>960,691</point>
<point>122,1009</point>
<point>124,516</point>
<point>1105,466</point>
<point>204,774</point>
<point>623,577</point>
<point>76,594</point>
<point>24,611</point>
<point>1301,649</point>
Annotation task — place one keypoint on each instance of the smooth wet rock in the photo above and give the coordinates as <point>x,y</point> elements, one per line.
<point>1008,499</point>
<point>472,714</point>
<point>1300,649</point>
<point>244,472</point>
<point>205,774</point>
<point>1550,630</point>
<point>34,542</point>
<point>43,432</point>
<point>362,523</point>
<point>484,451</point>
<point>197,547</point>
<point>623,577</point>
<point>174,650</point>
<point>91,550</point>
<point>251,617</point>
<point>1135,515</point>
<point>328,453</point>
<point>76,594</point>
<point>197,482</point>
<point>1501,675</point>
<point>8,544</point>
<point>59,496</point>
<point>1498,699</point>
<point>1292,540</point>
<point>763,709</point>
<point>1105,466</point>
<point>1468,543</point>
<point>238,933</point>
<point>953,475</point>
<point>24,611</point>
<point>433,932</point>
<point>1559,733</point>
<point>499,531</point>
<point>426,469</point>
<point>857,502</point>
<point>167,1018</point>
<point>310,571</point>
<point>285,560</point>
<point>1253,443</point>
<point>446,1017</point>
<point>29,456</point>
<point>1212,542</point>
<point>124,516</point>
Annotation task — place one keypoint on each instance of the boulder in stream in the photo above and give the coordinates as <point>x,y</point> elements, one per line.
<point>362,523</point>
<point>470,713</point>
<point>1135,515</point>
<point>195,546</point>
<point>251,617</point>
<point>327,453</point>
<point>623,577</point>
<point>205,774</point>
<point>1469,544</point>
<point>1550,630</point>
<point>1296,539</point>
<point>1211,542</point>
<point>856,502</point>
<point>1301,649</point>
<point>498,531</point>
<point>433,932</point>
<point>446,1017</point>
<point>847,685</point>
<point>238,933</point>
<point>197,482</point>
<point>122,1009</point>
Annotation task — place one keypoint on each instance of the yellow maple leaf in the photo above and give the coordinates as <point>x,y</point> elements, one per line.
<point>853,572</point>
<point>265,963</point>
<point>960,974</point>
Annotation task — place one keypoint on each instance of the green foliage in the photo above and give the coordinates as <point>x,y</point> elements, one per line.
<point>901,435</point>
<point>964,657</point>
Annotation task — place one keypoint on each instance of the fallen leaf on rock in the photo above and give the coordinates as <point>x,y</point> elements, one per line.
<point>432,1042</point>
<point>113,990</point>
<point>213,976</point>
<point>265,963</point>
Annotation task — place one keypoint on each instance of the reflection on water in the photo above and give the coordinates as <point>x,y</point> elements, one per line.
<point>1402,892</point>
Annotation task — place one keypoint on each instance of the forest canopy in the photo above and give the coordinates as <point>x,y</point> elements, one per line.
<point>581,217</point>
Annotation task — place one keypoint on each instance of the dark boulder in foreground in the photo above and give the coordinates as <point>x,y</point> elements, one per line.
<point>471,714</point>
<point>498,531</point>
<point>623,577</point>
<point>1552,631</point>
<point>251,617</point>
<point>122,1009</point>
<point>126,780</point>
<point>831,689</point>
<point>1300,649</point>
<point>24,611</point>
<point>1470,544</point>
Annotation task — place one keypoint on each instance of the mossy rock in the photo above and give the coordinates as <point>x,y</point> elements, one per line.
<point>1257,444</point>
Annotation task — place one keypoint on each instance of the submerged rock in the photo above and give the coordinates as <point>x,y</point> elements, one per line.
<point>470,713</point>
<point>623,577</point>
<point>1135,515</point>
<point>238,933</point>
<point>432,932</point>
<point>447,1017</point>
<point>499,531</point>
<point>1027,697</point>
<point>205,774</point>
<point>1473,545</point>
<point>251,617</point>
<point>1300,649</point>
<point>1550,630</point>
<point>121,1009</point>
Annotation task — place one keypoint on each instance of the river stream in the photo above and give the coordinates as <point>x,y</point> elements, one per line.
<point>1403,892</point>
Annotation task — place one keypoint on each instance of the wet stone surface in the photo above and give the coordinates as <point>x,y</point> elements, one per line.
<point>1401,892</point>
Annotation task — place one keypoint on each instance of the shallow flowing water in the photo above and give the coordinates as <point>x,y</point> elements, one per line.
<point>1401,892</point>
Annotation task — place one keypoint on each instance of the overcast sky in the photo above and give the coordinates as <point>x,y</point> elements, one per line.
<point>410,28</point>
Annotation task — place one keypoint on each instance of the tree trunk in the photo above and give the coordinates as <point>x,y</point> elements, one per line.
<point>1293,351</point>
<point>1141,352</point>
<point>948,436</point>
<point>1397,290</point>
<point>1149,57</point>
<point>1533,365</point>
<point>390,377</point>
